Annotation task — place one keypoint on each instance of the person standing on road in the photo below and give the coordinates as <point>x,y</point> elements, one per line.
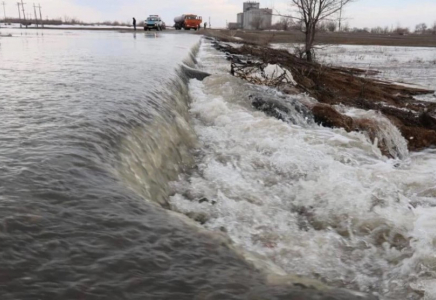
<point>205,25</point>
<point>134,24</point>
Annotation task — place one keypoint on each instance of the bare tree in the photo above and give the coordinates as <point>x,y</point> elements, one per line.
<point>321,27</point>
<point>401,30</point>
<point>284,24</point>
<point>377,30</point>
<point>331,26</point>
<point>380,30</point>
<point>311,12</point>
<point>287,23</point>
<point>421,28</point>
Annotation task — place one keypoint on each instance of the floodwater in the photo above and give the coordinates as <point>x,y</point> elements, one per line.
<point>105,146</point>
<point>75,108</point>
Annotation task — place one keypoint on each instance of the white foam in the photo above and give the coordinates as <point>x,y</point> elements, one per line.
<point>315,201</point>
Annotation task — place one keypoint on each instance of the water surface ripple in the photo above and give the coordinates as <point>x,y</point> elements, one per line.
<point>70,226</point>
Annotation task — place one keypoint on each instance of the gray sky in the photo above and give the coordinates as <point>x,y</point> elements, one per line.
<point>361,13</point>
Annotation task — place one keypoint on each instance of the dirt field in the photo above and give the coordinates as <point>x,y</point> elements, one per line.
<point>414,40</point>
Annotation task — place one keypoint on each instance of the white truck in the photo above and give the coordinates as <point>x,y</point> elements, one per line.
<point>154,22</point>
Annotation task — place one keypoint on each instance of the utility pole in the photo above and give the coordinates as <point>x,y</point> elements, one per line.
<point>19,13</point>
<point>209,23</point>
<point>36,18</point>
<point>4,10</point>
<point>340,15</point>
<point>24,14</point>
<point>40,15</point>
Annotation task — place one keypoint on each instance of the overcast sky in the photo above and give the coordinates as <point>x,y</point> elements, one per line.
<point>361,13</point>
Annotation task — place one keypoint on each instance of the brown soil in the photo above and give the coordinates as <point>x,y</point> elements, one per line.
<point>335,85</point>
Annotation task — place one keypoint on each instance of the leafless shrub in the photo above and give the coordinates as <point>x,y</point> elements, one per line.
<point>377,30</point>
<point>401,30</point>
<point>331,26</point>
<point>72,21</point>
<point>284,24</point>
<point>321,27</point>
<point>421,28</point>
<point>346,27</point>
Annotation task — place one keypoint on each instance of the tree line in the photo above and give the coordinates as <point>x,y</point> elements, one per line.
<point>313,16</point>
<point>286,24</point>
<point>67,20</point>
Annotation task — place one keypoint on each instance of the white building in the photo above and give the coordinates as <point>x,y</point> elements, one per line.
<point>250,5</point>
<point>240,19</point>
<point>253,17</point>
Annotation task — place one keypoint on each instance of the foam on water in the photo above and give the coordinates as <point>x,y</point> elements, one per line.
<point>315,201</point>
<point>386,133</point>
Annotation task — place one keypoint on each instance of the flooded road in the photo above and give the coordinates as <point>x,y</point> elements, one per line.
<point>106,145</point>
<point>71,225</point>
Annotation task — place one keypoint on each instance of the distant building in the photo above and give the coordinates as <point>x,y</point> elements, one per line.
<point>250,5</point>
<point>233,26</point>
<point>253,17</point>
<point>240,19</point>
<point>257,19</point>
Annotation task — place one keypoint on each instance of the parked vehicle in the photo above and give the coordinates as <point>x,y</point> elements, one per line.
<point>154,22</point>
<point>188,22</point>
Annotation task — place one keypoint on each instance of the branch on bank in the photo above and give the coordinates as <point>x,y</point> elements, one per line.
<point>351,87</point>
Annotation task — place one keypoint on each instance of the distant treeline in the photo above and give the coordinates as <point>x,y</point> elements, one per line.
<point>286,24</point>
<point>63,21</point>
<point>30,21</point>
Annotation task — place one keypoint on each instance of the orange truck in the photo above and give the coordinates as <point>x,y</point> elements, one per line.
<point>187,22</point>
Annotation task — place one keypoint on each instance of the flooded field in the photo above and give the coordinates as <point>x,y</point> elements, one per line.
<point>406,65</point>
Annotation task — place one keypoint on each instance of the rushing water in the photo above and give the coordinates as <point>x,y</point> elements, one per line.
<point>314,201</point>
<point>101,133</point>
<point>94,126</point>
